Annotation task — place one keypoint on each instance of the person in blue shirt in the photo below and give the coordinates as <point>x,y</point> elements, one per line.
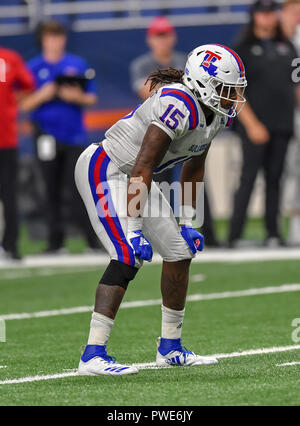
<point>65,85</point>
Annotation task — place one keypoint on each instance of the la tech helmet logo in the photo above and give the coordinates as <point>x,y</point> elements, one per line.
<point>209,61</point>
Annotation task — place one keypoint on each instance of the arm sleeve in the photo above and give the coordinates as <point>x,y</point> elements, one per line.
<point>173,116</point>
<point>24,77</point>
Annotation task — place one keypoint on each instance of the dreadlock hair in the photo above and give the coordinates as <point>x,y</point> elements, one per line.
<point>162,77</point>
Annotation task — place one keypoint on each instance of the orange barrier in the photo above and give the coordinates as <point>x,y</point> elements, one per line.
<point>94,120</point>
<point>102,120</point>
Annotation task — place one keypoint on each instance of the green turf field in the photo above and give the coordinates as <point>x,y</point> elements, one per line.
<point>50,345</point>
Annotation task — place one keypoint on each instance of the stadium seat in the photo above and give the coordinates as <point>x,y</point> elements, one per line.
<point>12,20</point>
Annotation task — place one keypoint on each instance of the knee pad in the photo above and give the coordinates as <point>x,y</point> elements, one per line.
<point>118,273</point>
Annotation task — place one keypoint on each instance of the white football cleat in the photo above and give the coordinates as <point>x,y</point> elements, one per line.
<point>171,352</point>
<point>98,366</point>
<point>95,362</point>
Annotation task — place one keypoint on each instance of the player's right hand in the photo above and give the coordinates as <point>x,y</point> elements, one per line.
<point>141,246</point>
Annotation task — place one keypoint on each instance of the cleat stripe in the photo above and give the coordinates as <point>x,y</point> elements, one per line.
<point>121,369</point>
<point>178,359</point>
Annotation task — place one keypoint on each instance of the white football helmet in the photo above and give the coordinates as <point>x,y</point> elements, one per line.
<point>214,73</point>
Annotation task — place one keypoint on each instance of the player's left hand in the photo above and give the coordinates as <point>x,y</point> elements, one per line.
<point>194,239</point>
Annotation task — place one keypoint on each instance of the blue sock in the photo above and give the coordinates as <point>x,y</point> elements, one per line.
<point>93,350</point>
<point>167,345</point>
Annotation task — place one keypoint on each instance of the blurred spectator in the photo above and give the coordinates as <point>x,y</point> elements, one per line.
<point>161,39</point>
<point>64,86</point>
<point>15,81</point>
<point>266,122</point>
<point>291,27</point>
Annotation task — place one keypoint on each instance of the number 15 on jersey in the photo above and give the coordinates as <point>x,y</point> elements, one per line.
<point>171,113</point>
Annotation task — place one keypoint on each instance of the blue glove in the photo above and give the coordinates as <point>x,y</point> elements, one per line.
<point>194,239</point>
<point>141,247</point>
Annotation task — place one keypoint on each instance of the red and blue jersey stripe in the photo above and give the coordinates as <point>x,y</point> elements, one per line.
<point>188,102</point>
<point>236,57</point>
<point>105,209</point>
<point>229,122</point>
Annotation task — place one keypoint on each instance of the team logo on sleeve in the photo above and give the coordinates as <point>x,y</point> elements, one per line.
<point>209,61</point>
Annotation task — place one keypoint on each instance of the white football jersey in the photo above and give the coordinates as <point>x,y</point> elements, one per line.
<point>177,112</point>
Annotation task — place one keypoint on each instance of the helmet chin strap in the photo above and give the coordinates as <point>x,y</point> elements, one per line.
<point>224,112</point>
<point>210,107</point>
<point>217,109</point>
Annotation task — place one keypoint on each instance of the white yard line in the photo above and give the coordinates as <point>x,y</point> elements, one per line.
<point>286,288</point>
<point>3,366</point>
<point>287,364</point>
<point>152,365</point>
<point>275,349</point>
<point>209,255</point>
<point>45,272</point>
<point>42,314</point>
<point>39,378</point>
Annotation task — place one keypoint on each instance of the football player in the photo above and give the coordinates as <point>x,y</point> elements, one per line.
<point>176,124</point>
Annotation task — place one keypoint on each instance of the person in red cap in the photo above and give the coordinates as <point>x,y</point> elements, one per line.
<point>161,39</point>
<point>14,76</point>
